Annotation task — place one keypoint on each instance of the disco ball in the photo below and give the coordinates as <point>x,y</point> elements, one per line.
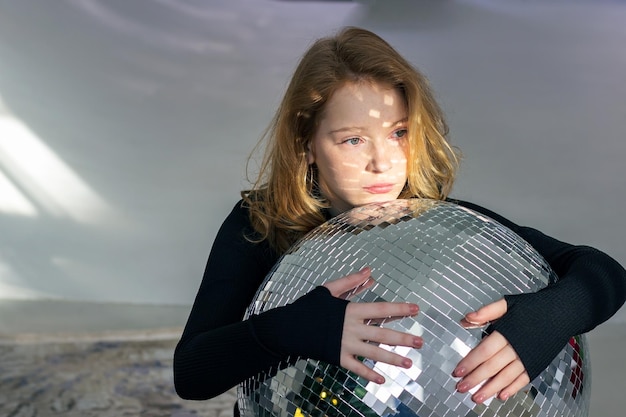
<point>447,259</point>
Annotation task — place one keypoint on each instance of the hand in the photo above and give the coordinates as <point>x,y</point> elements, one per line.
<point>494,360</point>
<point>358,333</point>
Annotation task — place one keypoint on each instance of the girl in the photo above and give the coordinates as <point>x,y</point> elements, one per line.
<point>358,124</point>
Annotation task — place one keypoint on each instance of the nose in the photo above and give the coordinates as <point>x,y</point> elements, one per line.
<point>379,159</point>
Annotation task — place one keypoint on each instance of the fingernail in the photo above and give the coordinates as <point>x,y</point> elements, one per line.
<point>366,270</point>
<point>478,399</point>
<point>504,396</point>
<point>472,317</point>
<point>414,308</point>
<point>460,371</point>
<point>463,387</point>
<point>418,342</point>
<point>407,363</point>
<point>380,380</point>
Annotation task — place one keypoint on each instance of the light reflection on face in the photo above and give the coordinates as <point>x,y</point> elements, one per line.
<point>360,146</point>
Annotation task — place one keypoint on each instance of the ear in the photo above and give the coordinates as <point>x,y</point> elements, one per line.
<point>310,153</point>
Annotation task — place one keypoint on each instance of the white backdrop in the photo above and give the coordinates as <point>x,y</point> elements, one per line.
<point>125,125</point>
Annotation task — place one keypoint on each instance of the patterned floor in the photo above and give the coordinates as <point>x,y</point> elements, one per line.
<point>96,378</point>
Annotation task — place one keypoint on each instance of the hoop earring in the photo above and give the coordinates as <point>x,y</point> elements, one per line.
<point>309,178</point>
<point>312,186</point>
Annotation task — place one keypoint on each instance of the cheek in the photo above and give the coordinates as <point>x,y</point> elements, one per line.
<point>336,164</point>
<point>345,172</point>
<point>400,158</point>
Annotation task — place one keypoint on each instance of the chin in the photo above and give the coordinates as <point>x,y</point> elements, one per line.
<point>379,198</point>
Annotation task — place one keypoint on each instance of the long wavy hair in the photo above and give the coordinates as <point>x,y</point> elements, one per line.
<point>284,201</point>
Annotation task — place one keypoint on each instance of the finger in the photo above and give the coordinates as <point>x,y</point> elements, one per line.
<point>348,283</point>
<point>348,295</point>
<point>388,337</point>
<point>488,370</point>
<point>500,382</point>
<point>519,383</point>
<point>376,354</point>
<point>486,349</point>
<point>356,366</point>
<point>380,322</point>
<point>380,310</point>
<point>485,314</point>
<point>358,289</point>
<point>379,354</point>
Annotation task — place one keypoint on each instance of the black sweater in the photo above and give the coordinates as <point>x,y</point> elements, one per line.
<point>218,350</point>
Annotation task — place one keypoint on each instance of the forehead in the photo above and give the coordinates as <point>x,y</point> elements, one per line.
<point>364,102</point>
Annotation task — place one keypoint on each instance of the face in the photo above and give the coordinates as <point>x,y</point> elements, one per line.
<point>360,146</point>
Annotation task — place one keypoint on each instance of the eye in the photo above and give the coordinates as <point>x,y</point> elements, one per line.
<point>352,141</point>
<point>400,133</point>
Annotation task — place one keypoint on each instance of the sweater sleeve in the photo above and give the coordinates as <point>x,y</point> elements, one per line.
<point>590,289</point>
<point>218,350</point>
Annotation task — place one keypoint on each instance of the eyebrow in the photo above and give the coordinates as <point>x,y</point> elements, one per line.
<point>359,128</point>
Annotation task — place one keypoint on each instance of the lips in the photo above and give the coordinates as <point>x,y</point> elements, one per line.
<point>379,188</point>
